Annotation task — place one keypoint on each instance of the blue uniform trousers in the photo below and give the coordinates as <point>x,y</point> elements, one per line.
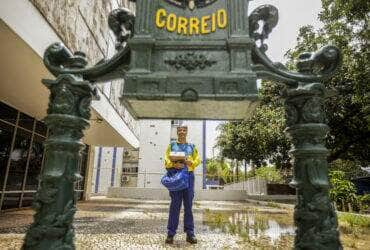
<point>177,197</point>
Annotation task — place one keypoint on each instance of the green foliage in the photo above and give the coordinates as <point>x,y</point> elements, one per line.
<point>343,191</point>
<point>261,138</point>
<point>353,227</point>
<point>257,139</point>
<point>269,173</point>
<point>351,169</point>
<point>363,202</point>
<point>218,170</point>
<point>346,25</point>
<point>354,220</point>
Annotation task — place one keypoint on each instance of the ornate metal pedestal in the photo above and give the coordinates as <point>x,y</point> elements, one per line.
<point>211,56</point>
<point>314,215</point>
<point>68,115</point>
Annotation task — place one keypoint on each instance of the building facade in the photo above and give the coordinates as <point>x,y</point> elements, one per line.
<point>27,28</point>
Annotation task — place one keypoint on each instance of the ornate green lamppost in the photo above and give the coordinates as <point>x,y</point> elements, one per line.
<point>68,116</point>
<point>314,215</point>
<point>200,56</point>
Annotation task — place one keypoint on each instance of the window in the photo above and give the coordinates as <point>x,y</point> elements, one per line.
<point>18,160</point>
<point>7,113</point>
<point>35,163</point>
<point>26,121</point>
<point>21,161</point>
<point>6,135</point>
<point>41,128</point>
<point>176,122</point>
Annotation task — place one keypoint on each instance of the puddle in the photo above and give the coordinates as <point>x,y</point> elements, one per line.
<point>266,230</point>
<point>252,226</point>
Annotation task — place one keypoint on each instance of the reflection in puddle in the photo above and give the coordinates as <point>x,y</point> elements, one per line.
<point>251,225</point>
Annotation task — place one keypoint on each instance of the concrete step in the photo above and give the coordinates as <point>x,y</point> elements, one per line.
<point>162,194</point>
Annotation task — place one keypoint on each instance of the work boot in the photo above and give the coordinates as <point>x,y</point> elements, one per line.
<point>191,239</point>
<point>169,240</point>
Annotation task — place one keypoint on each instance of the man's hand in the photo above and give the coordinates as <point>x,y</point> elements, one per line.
<point>188,162</point>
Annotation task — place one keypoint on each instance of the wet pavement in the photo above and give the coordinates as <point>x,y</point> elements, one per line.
<point>131,224</point>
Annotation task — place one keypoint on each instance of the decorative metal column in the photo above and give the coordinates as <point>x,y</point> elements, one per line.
<point>68,115</point>
<point>314,215</point>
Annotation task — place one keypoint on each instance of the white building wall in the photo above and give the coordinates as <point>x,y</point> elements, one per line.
<point>154,139</point>
<point>155,136</point>
<point>104,167</point>
<point>118,168</point>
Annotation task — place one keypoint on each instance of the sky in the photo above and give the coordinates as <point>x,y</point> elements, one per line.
<point>292,15</point>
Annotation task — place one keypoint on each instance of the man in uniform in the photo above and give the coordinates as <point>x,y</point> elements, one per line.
<point>192,160</point>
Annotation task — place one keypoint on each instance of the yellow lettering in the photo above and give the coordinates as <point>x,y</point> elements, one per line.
<point>193,26</point>
<point>204,25</point>
<point>171,22</point>
<point>221,19</point>
<point>161,14</point>
<point>182,25</point>
<point>213,29</point>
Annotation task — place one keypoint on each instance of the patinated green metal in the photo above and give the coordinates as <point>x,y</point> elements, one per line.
<point>175,75</point>
<point>55,203</point>
<point>206,74</point>
<point>314,214</point>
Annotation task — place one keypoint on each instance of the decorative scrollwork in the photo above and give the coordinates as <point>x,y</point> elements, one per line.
<point>118,18</point>
<point>190,61</point>
<point>191,4</point>
<point>84,107</point>
<point>59,60</point>
<point>312,67</point>
<point>270,16</point>
<point>63,102</point>
<point>318,213</point>
<point>189,95</point>
<point>313,111</point>
<point>291,114</point>
<point>323,62</point>
<point>58,54</point>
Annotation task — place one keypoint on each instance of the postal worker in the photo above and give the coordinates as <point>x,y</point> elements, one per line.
<point>190,161</point>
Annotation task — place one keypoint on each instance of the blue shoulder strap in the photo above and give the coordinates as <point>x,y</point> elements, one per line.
<point>174,146</point>
<point>192,146</point>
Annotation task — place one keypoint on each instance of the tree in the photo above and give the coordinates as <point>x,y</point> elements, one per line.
<point>260,138</point>
<point>352,169</point>
<point>218,170</point>
<point>269,173</point>
<point>346,25</point>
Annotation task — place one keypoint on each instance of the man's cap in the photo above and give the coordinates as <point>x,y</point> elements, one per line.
<point>182,125</point>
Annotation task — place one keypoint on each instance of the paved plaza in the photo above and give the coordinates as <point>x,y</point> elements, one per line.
<point>132,224</point>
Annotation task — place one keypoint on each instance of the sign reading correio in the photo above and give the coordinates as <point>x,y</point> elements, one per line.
<point>191,25</point>
<point>191,59</point>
